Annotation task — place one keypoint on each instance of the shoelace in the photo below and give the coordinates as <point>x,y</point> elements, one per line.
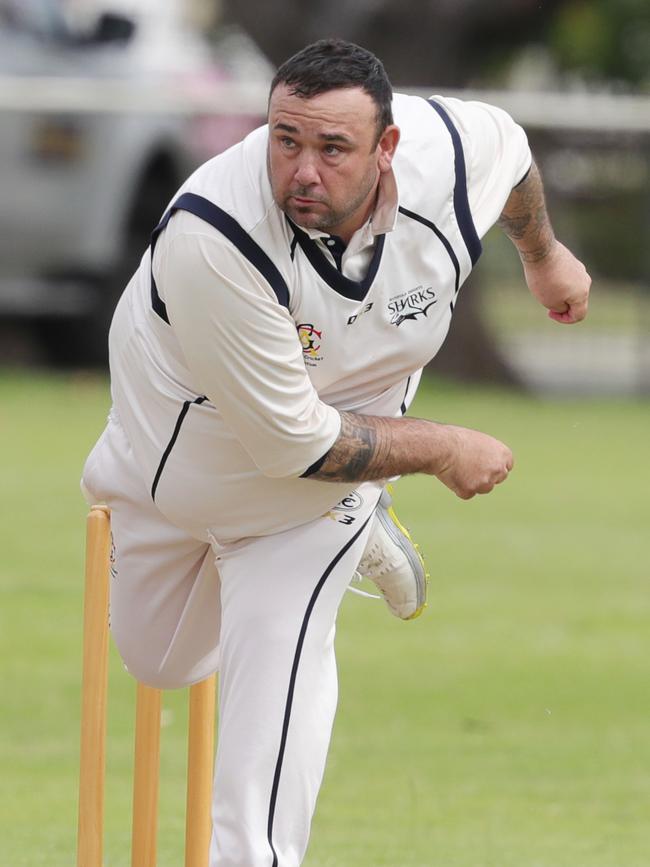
<point>358,578</point>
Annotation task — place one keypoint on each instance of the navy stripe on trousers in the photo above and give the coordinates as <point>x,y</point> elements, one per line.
<point>292,683</point>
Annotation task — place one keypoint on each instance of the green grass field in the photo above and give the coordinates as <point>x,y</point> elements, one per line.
<point>508,727</point>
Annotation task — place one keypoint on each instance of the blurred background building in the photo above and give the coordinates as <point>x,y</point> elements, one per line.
<point>106,105</point>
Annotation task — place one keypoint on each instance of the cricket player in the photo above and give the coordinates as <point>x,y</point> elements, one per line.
<point>262,359</point>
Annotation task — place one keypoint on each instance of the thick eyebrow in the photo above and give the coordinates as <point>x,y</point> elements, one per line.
<point>335,136</point>
<point>286,127</point>
<point>325,136</point>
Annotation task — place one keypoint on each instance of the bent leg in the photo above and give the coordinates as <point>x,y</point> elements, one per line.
<point>164,597</point>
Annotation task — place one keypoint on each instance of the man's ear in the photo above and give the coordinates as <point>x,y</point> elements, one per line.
<point>387,145</point>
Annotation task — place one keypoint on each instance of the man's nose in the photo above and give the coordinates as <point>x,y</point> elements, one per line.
<point>306,172</point>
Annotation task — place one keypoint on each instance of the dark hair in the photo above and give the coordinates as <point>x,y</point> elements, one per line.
<point>332,64</point>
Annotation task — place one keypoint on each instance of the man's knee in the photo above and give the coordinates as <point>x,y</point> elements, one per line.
<point>146,662</point>
<point>163,664</point>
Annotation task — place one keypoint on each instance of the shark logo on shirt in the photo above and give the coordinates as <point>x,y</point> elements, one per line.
<point>410,305</point>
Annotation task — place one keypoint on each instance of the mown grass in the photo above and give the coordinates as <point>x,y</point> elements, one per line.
<point>508,727</point>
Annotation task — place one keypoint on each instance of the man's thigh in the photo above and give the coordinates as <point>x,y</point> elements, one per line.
<point>280,596</point>
<point>165,607</point>
<point>164,597</point>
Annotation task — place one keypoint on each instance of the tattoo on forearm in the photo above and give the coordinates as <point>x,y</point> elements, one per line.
<point>360,452</point>
<point>525,220</point>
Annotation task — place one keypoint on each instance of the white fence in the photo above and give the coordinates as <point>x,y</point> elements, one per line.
<point>576,110</point>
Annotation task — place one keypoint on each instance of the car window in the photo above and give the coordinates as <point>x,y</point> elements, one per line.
<point>41,18</point>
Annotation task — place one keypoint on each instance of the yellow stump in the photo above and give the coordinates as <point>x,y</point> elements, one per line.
<point>202,699</point>
<point>200,758</point>
<point>94,691</point>
<point>145,776</point>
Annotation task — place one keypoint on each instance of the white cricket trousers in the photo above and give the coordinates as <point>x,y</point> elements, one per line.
<point>262,612</point>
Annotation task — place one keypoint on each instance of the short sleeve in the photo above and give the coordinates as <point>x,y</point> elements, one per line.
<point>497,156</point>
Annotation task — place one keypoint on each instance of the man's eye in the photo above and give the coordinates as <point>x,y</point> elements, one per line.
<point>287,142</point>
<point>332,150</point>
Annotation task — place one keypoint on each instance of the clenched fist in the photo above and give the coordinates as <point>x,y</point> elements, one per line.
<point>561,283</point>
<point>473,462</point>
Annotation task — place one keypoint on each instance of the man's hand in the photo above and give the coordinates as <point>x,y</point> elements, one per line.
<point>475,462</point>
<point>556,278</point>
<point>561,283</point>
<point>374,447</point>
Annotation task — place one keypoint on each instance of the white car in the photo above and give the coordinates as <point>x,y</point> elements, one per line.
<point>83,186</point>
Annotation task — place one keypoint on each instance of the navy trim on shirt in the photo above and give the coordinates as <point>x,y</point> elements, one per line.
<point>315,467</point>
<point>527,172</point>
<point>354,289</point>
<point>172,442</point>
<point>461,202</point>
<point>230,228</point>
<point>403,407</point>
<point>443,240</point>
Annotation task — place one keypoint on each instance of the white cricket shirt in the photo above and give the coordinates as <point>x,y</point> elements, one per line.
<point>228,372</point>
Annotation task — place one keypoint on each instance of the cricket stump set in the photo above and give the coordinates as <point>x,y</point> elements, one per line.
<point>201,727</point>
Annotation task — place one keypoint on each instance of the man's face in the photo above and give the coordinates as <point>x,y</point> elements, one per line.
<point>324,158</point>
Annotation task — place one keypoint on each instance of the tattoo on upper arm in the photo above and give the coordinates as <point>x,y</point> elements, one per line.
<point>514,227</point>
<point>525,220</point>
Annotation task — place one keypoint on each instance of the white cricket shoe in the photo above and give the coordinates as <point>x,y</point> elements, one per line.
<point>393,563</point>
